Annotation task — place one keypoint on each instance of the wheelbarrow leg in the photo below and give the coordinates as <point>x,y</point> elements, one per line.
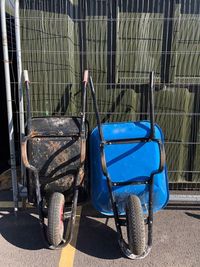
<point>38,196</point>
<point>150,215</point>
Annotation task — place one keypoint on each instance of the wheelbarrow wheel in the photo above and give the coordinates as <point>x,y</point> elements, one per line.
<point>55,227</point>
<point>135,225</point>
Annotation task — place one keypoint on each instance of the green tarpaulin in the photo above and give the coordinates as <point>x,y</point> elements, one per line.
<point>119,42</point>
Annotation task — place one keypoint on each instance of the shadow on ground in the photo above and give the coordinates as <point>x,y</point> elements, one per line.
<point>22,231</point>
<point>183,206</point>
<point>196,216</point>
<point>97,239</point>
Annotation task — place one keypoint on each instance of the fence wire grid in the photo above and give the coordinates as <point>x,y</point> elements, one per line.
<point>120,42</point>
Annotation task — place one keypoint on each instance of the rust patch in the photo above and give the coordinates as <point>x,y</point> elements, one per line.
<point>33,134</point>
<point>53,146</point>
<point>83,151</point>
<point>81,175</point>
<point>24,154</point>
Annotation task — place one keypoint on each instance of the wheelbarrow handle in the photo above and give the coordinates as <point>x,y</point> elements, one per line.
<point>83,128</point>
<point>85,82</point>
<point>96,108</point>
<point>26,78</point>
<point>28,100</point>
<point>151,103</point>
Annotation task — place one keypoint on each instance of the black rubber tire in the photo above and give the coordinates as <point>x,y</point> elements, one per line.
<point>135,225</point>
<point>55,227</point>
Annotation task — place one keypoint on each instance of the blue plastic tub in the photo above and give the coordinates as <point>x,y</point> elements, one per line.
<point>127,162</point>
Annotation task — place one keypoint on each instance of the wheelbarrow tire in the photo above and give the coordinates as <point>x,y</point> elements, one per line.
<point>135,225</point>
<point>55,227</point>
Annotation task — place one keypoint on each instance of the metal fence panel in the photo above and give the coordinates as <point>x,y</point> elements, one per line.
<point>120,42</point>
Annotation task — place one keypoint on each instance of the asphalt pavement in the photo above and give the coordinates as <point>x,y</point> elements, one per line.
<point>176,240</point>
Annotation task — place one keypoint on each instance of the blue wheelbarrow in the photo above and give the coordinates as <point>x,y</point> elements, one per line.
<point>129,176</point>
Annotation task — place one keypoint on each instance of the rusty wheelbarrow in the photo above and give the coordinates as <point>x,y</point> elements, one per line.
<point>54,153</point>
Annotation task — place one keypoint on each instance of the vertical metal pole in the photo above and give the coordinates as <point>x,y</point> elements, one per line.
<point>9,105</point>
<point>20,89</point>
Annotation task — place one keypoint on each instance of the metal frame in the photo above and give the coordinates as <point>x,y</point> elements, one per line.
<point>20,89</point>
<point>67,237</point>
<point>150,181</point>
<point>9,105</point>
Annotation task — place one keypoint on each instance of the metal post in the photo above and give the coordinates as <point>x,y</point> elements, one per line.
<point>9,105</point>
<point>20,89</point>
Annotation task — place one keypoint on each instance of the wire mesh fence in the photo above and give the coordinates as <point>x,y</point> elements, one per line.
<point>120,42</point>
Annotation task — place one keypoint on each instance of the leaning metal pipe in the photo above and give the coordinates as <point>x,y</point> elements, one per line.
<point>19,75</point>
<point>9,105</point>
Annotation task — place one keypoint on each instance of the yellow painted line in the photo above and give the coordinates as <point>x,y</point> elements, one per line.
<point>10,204</point>
<point>68,253</point>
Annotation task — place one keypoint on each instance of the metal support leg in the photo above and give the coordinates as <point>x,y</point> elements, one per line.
<point>9,105</point>
<point>20,92</point>
<point>150,219</point>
